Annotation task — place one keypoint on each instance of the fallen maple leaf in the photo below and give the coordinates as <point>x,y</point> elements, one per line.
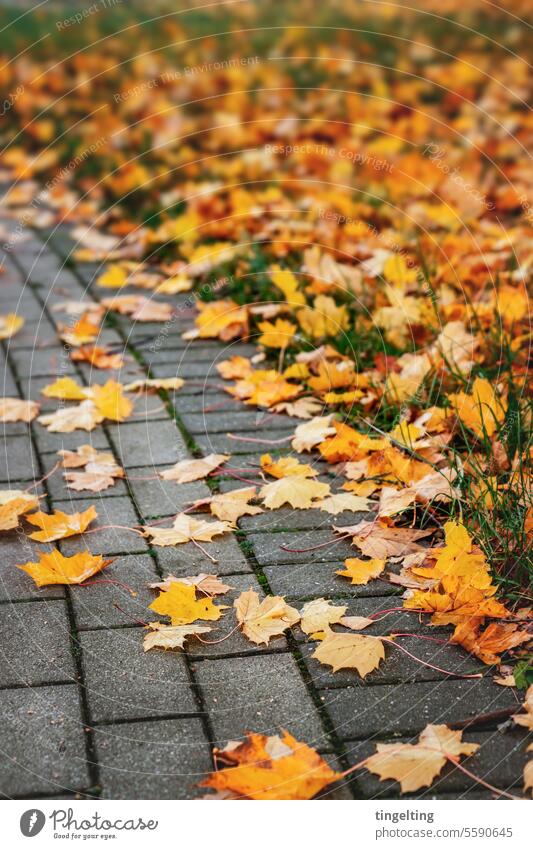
<point>271,768</point>
<point>208,584</point>
<point>59,525</point>
<point>54,568</point>
<point>350,651</point>
<point>111,402</point>
<point>338,502</point>
<point>319,614</point>
<point>277,334</point>
<point>84,416</point>
<point>230,506</point>
<point>260,621</point>
<point>356,623</point>
<point>488,645</point>
<point>312,433</point>
<point>66,389</point>
<point>378,540</point>
<point>417,765</point>
<point>99,473</point>
<point>10,324</point>
<point>286,466</point>
<point>180,603</point>
<point>16,410</point>
<point>193,470</point>
<point>153,384</point>
<point>14,503</point>
<point>362,571</point>
<point>482,411</point>
<point>301,408</point>
<point>97,356</point>
<point>301,493</point>
<point>171,636</point>
<point>186,529</point>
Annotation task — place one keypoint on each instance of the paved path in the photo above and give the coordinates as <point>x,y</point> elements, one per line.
<point>84,711</point>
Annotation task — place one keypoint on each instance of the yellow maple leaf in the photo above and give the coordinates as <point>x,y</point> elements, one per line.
<point>66,389</point>
<point>180,603</point>
<point>114,277</point>
<point>285,466</point>
<point>110,401</point>
<point>277,334</point>
<point>54,568</point>
<point>260,621</point>
<point>324,318</point>
<point>362,571</point>
<point>417,765</point>
<point>319,614</point>
<point>482,411</point>
<point>301,493</point>
<point>14,503</point>
<point>287,282</point>
<point>59,525</point>
<point>186,529</point>
<point>350,651</point>
<point>10,324</point>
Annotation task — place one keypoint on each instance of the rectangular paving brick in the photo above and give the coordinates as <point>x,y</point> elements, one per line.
<point>34,644</point>
<point>311,579</point>
<point>18,461</point>
<point>158,497</point>
<point>186,557</point>
<point>124,682</point>
<point>263,693</point>
<point>107,605</point>
<point>383,710</point>
<point>42,742</point>
<point>153,760</point>
<point>148,443</point>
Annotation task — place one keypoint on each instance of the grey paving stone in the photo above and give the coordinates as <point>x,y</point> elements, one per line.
<point>383,710</point>
<point>303,581</point>
<point>216,401</point>
<point>263,693</point>
<point>49,443</point>
<point>34,337</point>
<point>271,549</point>
<point>95,604</point>
<point>124,682</point>
<point>18,461</point>
<point>42,741</point>
<point>46,362</point>
<point>223,421</point>
<point>34,644</point>
<point>224,549</point>
<point>161,497</point>
<point>285,518</point>
<point>198,351</point>
<point>109,541</point>
<point>148,443</point>
<point>219,442</point>
<point>153,760</point>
